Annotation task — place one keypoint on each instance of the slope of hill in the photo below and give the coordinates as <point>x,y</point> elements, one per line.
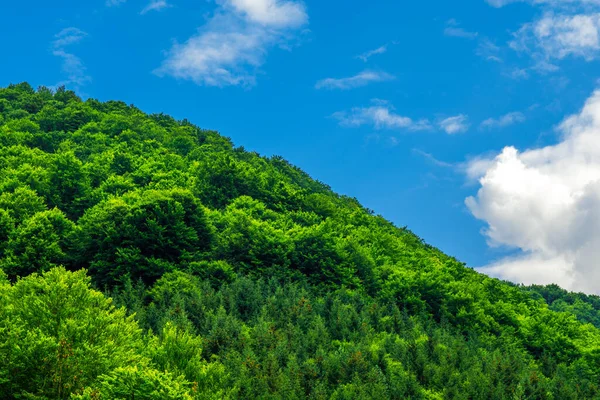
<point>583,306</point>
<point>147,258</point>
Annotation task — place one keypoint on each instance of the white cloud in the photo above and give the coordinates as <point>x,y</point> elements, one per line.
<point>67,37</point>
<point>380,117</point>
<point>532,268</point>
<point>558,36</point>
<point>566,28</point>
<point>501,3</point>
<point>546,202</point>
<point>459,32</point>
<point>233,44</point>
<point>72,65</point>
<point>112,3</point>
<point>456,124</point>
<point>488,50</point>
<point>155,5</point>
<point>368,54</point>
<point>503,121</point>
<point>430,157</point>
<point>476,167</point>
<point>518,73</point>
<point>361,79</point>
<point>453,29</point>
<point>553,3</point>
<point>271,13</point>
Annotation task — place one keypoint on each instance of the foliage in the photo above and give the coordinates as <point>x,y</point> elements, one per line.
<point>57,335</point>
<point>583,306</point>
<point>238,276</point>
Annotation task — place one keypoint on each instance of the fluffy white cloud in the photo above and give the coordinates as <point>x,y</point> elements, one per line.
<point>504,121</point>
<point>217,58</point>
<point>368,54</point>
<point>155,5</point>
<point>233,44</point>
<point>546,202</point>
<point>72,65</point>
<point>380,116</point>
<point>476,167</point>
<point>456,124</point>
<point>361,79</point>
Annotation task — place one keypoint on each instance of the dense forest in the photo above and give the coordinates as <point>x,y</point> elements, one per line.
<point>145,258</point>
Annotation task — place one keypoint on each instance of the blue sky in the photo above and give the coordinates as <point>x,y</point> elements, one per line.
<point>403,105</point>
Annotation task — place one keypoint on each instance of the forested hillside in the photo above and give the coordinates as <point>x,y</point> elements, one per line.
<point>585,307</point>
<point>146,258</point>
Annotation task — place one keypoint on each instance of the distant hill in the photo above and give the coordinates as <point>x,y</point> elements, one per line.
<point>147,258</point>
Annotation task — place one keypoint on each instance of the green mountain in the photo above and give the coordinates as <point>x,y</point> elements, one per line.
<point>146,258</point>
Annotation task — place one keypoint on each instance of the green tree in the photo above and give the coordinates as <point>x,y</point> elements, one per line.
<point>45,240</point>
<point>69,184</point>
<point>144,234</point>
<point>133,383</point>
<point>57,336</point>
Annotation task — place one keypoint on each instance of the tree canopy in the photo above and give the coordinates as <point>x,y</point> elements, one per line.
<point>145,258</point>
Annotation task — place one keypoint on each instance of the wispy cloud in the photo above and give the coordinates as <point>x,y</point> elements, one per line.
<point>155,5</point>
<point>502,3</point>
<point>503,121</point>
<point>72,65</point>
<point>429,157</point>
<point>518,73</point>
<point>488,50</point>
<point>233,44</point>
<point>565,28</point>
<point>382,115</point>
<point>558,36</point>
<point>552,3</point>
<point>454,125</point>
<point>379,117</point>
<point>453,28</point>
<point>361,79</point>
<point>112,3</point>
<point>368,54</point>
